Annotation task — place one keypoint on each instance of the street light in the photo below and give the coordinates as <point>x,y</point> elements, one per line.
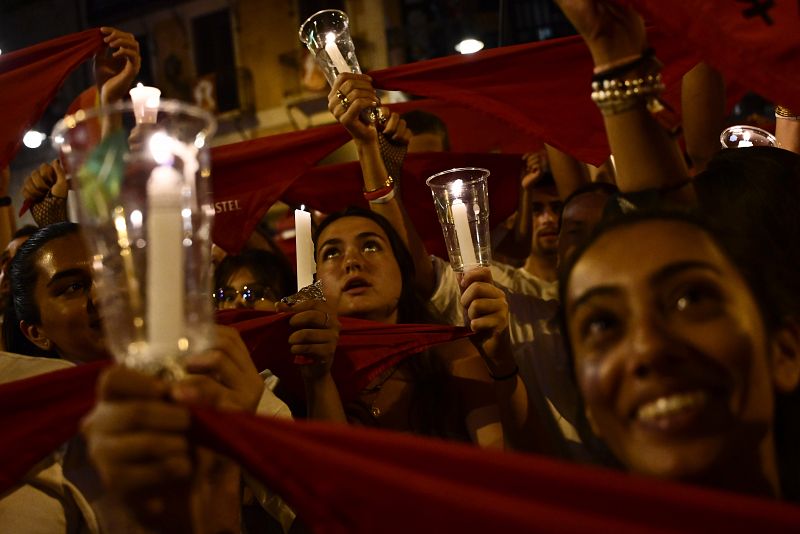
<point>33,139</point>
<point>469,46</point>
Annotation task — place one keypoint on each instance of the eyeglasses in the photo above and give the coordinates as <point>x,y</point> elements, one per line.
<point>250,294</point>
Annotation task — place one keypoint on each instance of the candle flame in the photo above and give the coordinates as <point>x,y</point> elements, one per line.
<point>330,37</point>
<point>456,188</point>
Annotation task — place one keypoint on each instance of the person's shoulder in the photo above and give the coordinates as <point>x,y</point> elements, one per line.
<point>17,366</point>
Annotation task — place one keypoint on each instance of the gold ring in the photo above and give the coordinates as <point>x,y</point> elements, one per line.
<point>343,99</point>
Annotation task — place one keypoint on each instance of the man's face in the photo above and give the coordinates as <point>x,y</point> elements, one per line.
<point>546,213</point>
<point>64,294</point>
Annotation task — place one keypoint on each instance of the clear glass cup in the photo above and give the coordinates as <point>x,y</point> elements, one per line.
<point>326,34</point>
<point>461,198</point>
<point>743,136</point>
<point>145,210</point>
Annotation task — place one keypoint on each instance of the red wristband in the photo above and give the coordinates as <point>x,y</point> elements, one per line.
<point>380,192</point>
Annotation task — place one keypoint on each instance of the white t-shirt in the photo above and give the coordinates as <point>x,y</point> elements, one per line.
<point>535,336</point>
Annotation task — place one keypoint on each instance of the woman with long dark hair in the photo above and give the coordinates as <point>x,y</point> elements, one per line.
<point>687,367</point>
<point>459,390</point>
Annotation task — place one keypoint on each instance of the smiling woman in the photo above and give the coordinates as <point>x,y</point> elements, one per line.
<point>679,356</point>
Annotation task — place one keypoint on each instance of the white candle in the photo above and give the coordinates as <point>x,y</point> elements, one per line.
<point>145,103</point>
<point>306,266</point>
<point>463,234</point>
<point>332,49</point>
<point>165,266</point>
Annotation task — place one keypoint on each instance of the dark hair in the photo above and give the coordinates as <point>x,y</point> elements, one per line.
<point>269,269</point>
<point>761,286</point>
<point>24,231</point>
<point>753,195</point>
<point>24,274</point>
<point>426,411</point>
<point>420,122</point>
<point>590,188</point>
<point>410,308</point>
<point>546,181</point>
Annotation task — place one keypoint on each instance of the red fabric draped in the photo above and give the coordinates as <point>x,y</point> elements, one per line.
<point>251,176</point>
<point>364,351</point>
<point>31,77</point>
<point>333,187</point>
<point>350,480</point>
<point>542,88</point>
<point>40,413</point>
<point>753,43</point>
<point>509,98</point>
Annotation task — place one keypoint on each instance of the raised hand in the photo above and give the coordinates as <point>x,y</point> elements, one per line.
<point>115,72</point>
<point>485,304</point>
<point>350,95</point>
<point>48,178</point>
<point>612,31</point>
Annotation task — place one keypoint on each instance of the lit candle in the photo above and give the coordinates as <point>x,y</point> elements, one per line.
<point>145,103</point>
<point>463,234</point>
<point>332,49</point>
<point>306,267</point>
<point>165,266</point>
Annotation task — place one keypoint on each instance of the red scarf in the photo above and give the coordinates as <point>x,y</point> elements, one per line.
<point>31,77</point>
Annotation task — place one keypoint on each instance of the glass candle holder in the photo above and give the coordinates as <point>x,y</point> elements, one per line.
<point>743,136</point>
<point>461,198</point>
<point>326,34</point>
<point>145,211</point>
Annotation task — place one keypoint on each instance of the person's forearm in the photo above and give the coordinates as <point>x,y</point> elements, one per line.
<point>646,157</point>
<point>323,400</point>
<point>374,175</point>
<point>568,173</point>
<point>521,429</point>
<point>703,111</point>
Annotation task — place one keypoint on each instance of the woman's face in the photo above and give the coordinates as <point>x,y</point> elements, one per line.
<point>671,354</point>
<point>69,319</point>
<point>359,272</point>
<point>242,291</point>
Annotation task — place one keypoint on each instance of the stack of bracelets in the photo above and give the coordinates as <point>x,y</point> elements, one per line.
<point>626,84</point>
<point>784,113</point>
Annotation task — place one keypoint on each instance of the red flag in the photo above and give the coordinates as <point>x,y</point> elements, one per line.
<point>754,43</point>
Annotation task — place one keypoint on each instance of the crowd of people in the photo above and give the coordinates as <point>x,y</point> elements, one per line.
<point>640,317</point>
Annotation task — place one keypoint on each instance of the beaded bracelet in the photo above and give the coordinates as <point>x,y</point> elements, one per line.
<point>617,96</point>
